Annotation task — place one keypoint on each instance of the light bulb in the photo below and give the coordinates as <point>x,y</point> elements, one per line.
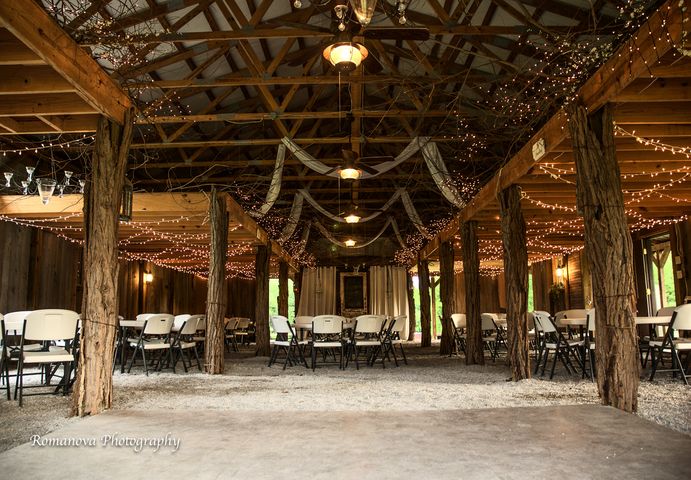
<point>341,27</point>
<point>8,177</point>
<point>349,243</point>
<point>402,20</point>
<point>297,4</point>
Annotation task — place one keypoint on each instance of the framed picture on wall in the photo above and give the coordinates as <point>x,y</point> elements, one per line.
<point>353,294</point>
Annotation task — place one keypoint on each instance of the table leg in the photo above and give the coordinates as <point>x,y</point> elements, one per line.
<point>122,349</point>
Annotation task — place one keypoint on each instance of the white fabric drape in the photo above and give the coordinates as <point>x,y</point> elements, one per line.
<point>437,168</point>
<point>391,221</point>
<point>318,291</point>
<point>336,218</point>
<point>275,187</point>
<point>319,167</point>
<point>389,292</point>
<point>413,215</point>
<point>295,212</point>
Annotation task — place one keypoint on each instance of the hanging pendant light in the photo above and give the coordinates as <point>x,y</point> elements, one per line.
<point>345,54</point>
<point>349,243</point>
<point>46,187</point>
<point>352,217</point>
<point>364,10</point>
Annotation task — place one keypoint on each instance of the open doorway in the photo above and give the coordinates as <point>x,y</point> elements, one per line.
<point>661,287</point>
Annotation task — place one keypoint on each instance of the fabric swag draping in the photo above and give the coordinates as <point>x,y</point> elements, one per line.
<point>390,221</point>
<point>275,187</point>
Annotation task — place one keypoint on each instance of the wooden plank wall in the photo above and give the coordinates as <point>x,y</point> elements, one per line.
<point>241,297</point>
<point>542,281</point>
<point>489,293</point>
<point>37,270</point>
<point>574,283</point>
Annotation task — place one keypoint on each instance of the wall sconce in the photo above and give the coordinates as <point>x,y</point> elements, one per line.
<point>148,277</point>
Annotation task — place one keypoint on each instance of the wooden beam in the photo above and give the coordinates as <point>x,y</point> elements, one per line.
<point>14,52</point>
<point>36,29</point>
<point>62,124</point>
<point>32,79</point>
<point>656,90</point>
<point>49,104</point>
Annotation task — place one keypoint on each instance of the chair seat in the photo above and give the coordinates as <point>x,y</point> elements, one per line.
<point>54,356</point>
<point>185,345</point>
<point>327,344</point>
<point>281,343</point>
<point>489,338</point>
<point>153,344</point>
<point>367,343</point>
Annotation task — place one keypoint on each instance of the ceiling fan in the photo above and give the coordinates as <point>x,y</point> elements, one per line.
<point>352,166</point>
<point>351,26</point>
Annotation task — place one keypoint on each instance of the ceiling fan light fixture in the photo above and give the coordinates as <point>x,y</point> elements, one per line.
<point>352,217</point>
<point>345,56</point>
<point>349,173</point>
<point>349,243</point>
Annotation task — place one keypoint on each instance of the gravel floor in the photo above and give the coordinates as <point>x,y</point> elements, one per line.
<point>429,382</point>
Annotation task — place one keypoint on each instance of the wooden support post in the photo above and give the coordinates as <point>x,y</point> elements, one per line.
<point>448,297</point>
<point>261,308</point>
<point>471,271</point>
<point>425,321</point>
<point>283,289</point>
<point>412,324</point>
<point>608,242</point>
<point>516,277</point>
<point>93,389</point>
<point>214,360</point>
<point>297,288</point>
<point>433,306</point>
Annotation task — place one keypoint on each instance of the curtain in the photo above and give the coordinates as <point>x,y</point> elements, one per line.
<point>388,292</point>
<point>318,293</point>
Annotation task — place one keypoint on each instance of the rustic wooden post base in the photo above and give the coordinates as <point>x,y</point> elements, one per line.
<point>412,324</point>
<point>607,239</point>
<point>425,320</point>
<point>93,389</point>
<point>214,360</point>
<point>474,353</point>
<point>283,289</point>
<point>516,275</point>
<point>448,297</point>
<point>261,309</point>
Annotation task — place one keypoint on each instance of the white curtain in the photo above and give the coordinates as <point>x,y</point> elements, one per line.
<point>440,174</point>
<point>318,292</point>
<point>388,288</point>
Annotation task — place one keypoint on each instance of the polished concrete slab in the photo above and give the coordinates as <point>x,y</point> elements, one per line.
<point>579,441</point>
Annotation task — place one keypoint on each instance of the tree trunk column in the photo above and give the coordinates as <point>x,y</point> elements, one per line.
<point>261,309</point>
<point>516,275</point>
<point>471,271</point>
<point>448,298</point>
<point>214,361</point>
<point>425,321</point>
<point>607,240</point>
<point>297,289</point>
<point>283,289</point>
<point>412,324</point>
<point>93,389</point>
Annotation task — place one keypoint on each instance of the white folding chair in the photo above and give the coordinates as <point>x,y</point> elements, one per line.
<point>287,341</point>
<point>394,336</point>
<point>367,334</point>
<point>48,326</point>
<point>303,325</point>
<point>154,337</point>
<point>553,340</point>
<point>458,326</point>
<point>674,343</point>
<point>184,341</point>
<point>327,335</point>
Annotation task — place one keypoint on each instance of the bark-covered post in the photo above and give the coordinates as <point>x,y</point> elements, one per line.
<point>448,297</point>
<point>412,324</point>
<point>425,320</point>
<point>216,293</point>
<point>608,242</point>
<point>261,308</point>
<point>283,289</point>
<point>297,289</point>
<point>474,353</point>
<point>516,277</point>
<point>93,388</point>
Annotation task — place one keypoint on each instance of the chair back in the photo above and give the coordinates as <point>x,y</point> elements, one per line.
<point>459,320</point>
<point>327,324</point>
<point>369,323</point>
<point>590,319</point>
<point>231,323</point>
<point>488,321</point>
<point>243,323</point>
<point>573,313</point>
<point>144,316</point>
<point>51,325</point>
<point>280,324</point>
<point>159,324</point>
<point>665,312</point>
<point>180,320</point>
<point>191,325</point>
<point>303,320</point>
<point>543,323</point>
<point>14,321</point>
<point>681,319</point>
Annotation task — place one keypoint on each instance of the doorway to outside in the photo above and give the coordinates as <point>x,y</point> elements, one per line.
<point>660,285</point>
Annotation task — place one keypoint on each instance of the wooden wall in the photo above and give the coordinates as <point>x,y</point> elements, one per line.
<point>489,293</point>
<point>37,270</point>
<point>241,295</point>
<point>542,281</point>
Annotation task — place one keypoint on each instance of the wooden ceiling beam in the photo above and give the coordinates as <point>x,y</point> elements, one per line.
<point>48,104</point>
<point>656,90</point>
<point>32,79</point>
<point>14,52</point>
<point>64,123</point>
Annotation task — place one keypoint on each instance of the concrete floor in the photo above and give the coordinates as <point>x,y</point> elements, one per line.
<point>580,441</point>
